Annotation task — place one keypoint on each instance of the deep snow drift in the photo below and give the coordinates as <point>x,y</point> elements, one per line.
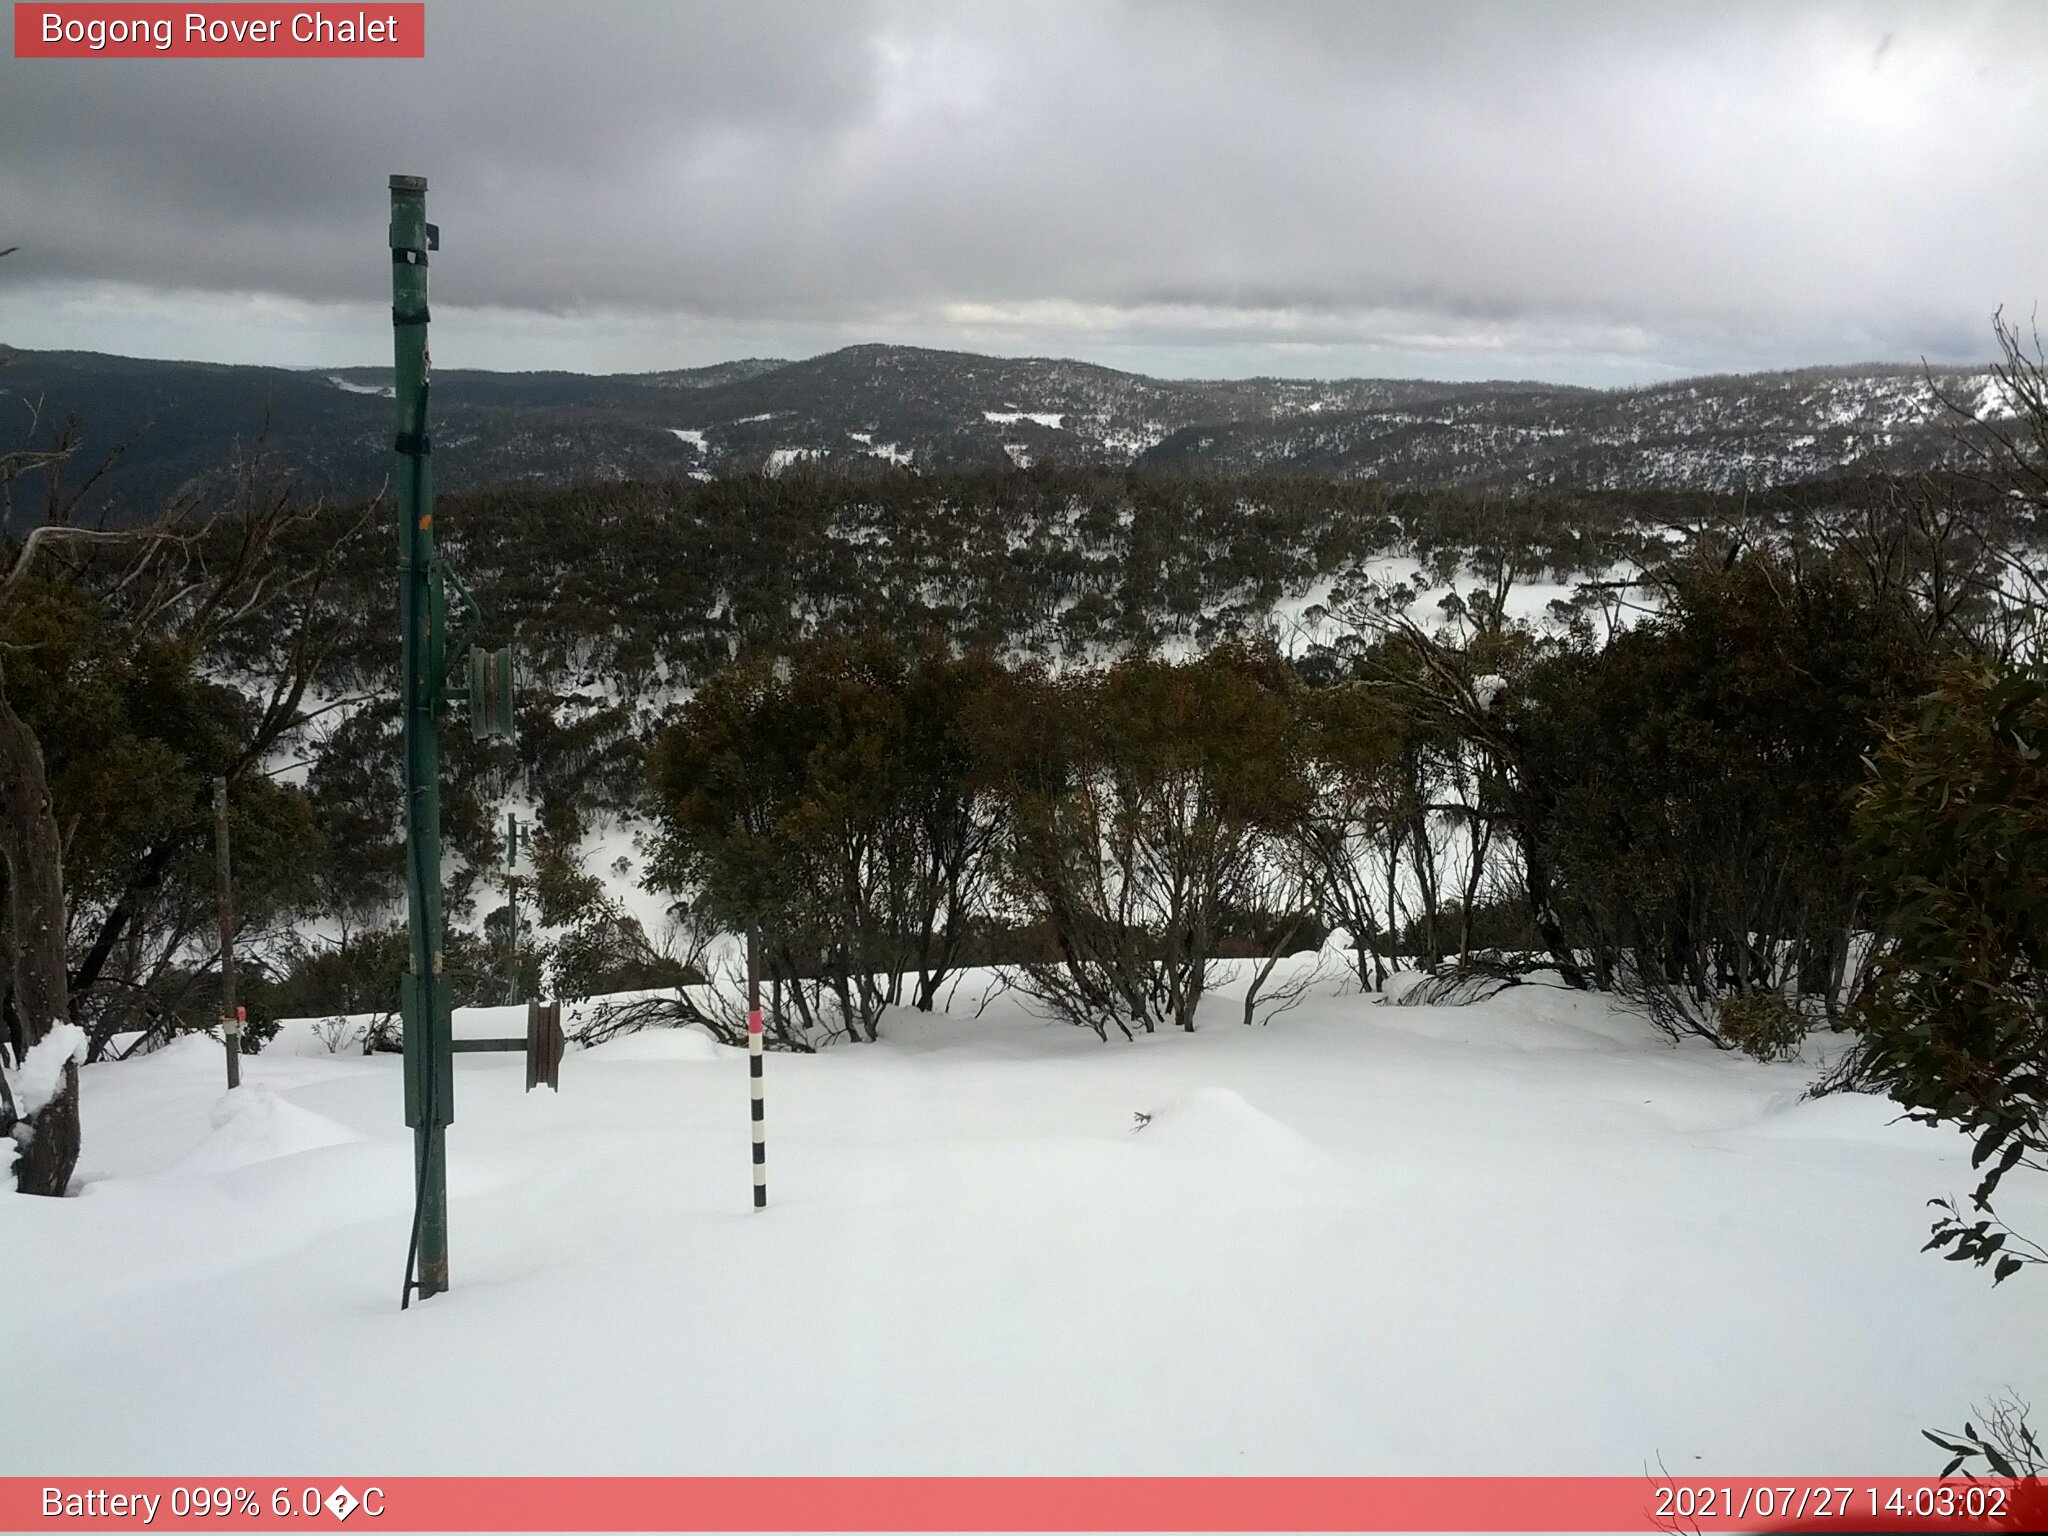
<point>1524,1236</point>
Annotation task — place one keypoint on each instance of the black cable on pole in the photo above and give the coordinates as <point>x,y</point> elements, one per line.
<point>419,1206</point>
<point>430,1101</point>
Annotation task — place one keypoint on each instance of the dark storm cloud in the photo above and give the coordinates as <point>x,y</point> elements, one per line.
<point>229,174</point>
<point>1597,191</point>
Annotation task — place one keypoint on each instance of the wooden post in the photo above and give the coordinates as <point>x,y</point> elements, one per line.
<point>230,1016</point>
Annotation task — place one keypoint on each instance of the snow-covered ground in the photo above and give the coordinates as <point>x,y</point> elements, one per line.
<point>1524,1236</point>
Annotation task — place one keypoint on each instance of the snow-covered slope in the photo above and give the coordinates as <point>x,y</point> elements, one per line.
<point>1525,1236</point>
<point>939,410</point>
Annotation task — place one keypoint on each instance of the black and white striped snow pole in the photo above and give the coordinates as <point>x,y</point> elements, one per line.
<point>755,1042</point>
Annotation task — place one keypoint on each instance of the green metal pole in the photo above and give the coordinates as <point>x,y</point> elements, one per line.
<point>512,899</point>
<point>428,1059</point>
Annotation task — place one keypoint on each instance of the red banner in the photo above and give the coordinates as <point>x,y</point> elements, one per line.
<point>1018,1504</point>
<point>116,31</point>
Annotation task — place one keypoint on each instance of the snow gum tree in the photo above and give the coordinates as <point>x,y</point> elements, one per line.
<point>111,732</point>
<point>45,1135</point>
<point>835,802</point>
<point>1147,805</point>
<point>1701,765</point>
<point>1353,830</point>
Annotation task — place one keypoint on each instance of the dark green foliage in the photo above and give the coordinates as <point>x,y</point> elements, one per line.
<point>2006,1445</point>
<point>358,973</point>
<point>599,946</point>
<point>1954,1016</point>
<point>1669,802</point>
<point>134,736</point>
<point>607,951</point>
<point>833,801</point>
<point>623,596</point>
<point>1761,1024</point>
<point>1685,787</point>
<point>1498,925</point>
<point>857,801</point>
<point>357,801</point>
<point>1147,802</point>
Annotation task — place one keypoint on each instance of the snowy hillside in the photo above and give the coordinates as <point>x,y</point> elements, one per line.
<point>1525,1236</point>
<point>1729,433</point>
<point>867,406</point>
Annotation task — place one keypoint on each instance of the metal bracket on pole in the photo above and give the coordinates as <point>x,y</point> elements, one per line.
<point>491,714</point>
<point>543,1044</point>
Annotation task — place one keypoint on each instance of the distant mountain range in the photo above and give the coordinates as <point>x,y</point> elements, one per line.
<point>184,424</point>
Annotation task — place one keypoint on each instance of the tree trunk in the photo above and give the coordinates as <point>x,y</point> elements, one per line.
<point>1274,955</point>
<point>1536,880</point>
<point>34,853</point>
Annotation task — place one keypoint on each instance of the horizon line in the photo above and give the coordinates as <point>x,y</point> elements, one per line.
<point>1863,367</point>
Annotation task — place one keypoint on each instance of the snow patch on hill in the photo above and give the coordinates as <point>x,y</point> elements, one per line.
<point>1126,443</point>
<point>780,459</point>
<point>1054,419</point>
<point>894,453</point>
<point>386,390</point>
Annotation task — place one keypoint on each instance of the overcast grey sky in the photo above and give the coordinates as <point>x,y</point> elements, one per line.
<point>1596,193</point>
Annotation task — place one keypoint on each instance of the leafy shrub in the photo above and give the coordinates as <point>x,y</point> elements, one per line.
<point>1761,1024</point>
<point>1685,789</point>
<point>1954,832</point>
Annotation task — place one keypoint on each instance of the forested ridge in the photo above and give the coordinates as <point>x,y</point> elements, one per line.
<point>178,426</point>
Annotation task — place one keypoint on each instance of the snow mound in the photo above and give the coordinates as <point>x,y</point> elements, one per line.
<point>910,1030</point>
<point>253,1125</point>
<point>498,1021</point>
<point>1863,1117</point>
<point>1220,1123</point>
<point>661,1044</point>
